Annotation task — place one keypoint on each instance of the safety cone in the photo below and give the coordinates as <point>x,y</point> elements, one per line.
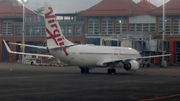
<point>10,70</point>
<point>145,72</point>
<point>160,70</point>
<point>174,75</point>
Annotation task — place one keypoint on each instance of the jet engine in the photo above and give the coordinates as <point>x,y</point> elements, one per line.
<point>132,65</point>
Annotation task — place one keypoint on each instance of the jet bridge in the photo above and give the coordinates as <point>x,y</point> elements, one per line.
<point>139,45</point>
<point>162,46</point>
<point>156,45</point>
<point>149,45</point>
<point>117,42</point>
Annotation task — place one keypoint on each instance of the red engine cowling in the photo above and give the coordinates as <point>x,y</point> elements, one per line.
<point>133,65</point>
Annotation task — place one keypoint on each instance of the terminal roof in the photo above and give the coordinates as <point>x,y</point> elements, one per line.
<point>146,5</point>
<point>114,8</point>
<point>13,9</point>
<point>172,8</point>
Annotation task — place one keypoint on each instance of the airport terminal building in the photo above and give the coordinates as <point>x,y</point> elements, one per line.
<point>110,22</point>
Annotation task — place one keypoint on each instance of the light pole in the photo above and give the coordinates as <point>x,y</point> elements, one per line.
<point>119,35</point>
<point>23,2</point>
<point>120,26</point>
<point>163,30</point>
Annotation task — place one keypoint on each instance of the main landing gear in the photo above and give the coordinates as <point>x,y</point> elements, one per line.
<point>84,70</point>
<point>111,70</point>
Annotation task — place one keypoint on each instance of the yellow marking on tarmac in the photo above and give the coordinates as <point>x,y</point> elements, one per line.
<point>25,77</point>
<point>158,98</point>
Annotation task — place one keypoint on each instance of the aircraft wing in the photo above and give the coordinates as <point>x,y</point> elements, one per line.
<point>39,47</point>
<point>154,56</point>
<point>113,61</point>
<point>8,49</point>
<point>145,57</point>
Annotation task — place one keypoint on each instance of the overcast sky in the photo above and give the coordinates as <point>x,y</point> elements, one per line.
<point>72,6</point>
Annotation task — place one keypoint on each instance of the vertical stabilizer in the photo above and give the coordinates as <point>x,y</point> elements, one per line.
<point>54,34</point>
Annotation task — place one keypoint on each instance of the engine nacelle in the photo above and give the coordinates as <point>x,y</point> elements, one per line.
<point>133,65</point>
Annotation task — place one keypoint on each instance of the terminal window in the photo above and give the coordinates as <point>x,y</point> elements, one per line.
<point>6,28</point>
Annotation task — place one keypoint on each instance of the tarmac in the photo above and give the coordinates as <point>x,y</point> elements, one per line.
<point>20,82</point>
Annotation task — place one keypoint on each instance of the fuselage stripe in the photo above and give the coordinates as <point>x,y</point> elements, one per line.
<point>65,51</point>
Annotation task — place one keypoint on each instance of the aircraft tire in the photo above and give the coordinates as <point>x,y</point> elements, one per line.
<point>113,71</point>
<point>109,71</point>
<point>82,70</point>
<point>86,70</point>
<point>32,63</point>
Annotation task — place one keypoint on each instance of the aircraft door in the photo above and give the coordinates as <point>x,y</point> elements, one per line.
<point>73,54</point>
<point>114,53</point>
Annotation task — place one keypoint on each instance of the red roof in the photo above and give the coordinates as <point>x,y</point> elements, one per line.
<point>13,9</point>
<point>114,8</point>
<point>146,5</point>
<point>172,8</point>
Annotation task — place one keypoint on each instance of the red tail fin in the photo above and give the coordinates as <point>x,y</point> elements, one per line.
<point>174,48</point>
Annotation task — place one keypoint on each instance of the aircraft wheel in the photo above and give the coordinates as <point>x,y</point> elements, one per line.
<point>113,71</point>
<point>82,70</point>
<point>109,71</point>
<point>32,63</point>
<point>86,70</point>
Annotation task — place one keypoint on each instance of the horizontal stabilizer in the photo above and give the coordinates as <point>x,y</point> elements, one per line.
<point>39,47</point>
<point>8,49</point>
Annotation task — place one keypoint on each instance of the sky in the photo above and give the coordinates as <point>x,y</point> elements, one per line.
<point>72,6</point>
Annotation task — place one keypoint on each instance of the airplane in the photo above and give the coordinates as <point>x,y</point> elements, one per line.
<point>86,57</point>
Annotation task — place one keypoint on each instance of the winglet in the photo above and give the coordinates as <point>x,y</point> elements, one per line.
<point>7,47</point>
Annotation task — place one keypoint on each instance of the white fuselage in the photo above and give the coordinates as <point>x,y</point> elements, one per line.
<point>88,55</point>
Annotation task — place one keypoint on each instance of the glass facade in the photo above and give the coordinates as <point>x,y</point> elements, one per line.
<point>167,26</point>
<point>176,27</point>
<point>77,29</point>
<point>41,30</point>
<point>143,27</point>
<point>132,27</point>
<point>107,27</point>
<point>93,26</point>
<point>66,29</point>
<point>152,27</point>
<point>121,25</point>
<point>32,30</point>
<point>6,27</point>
